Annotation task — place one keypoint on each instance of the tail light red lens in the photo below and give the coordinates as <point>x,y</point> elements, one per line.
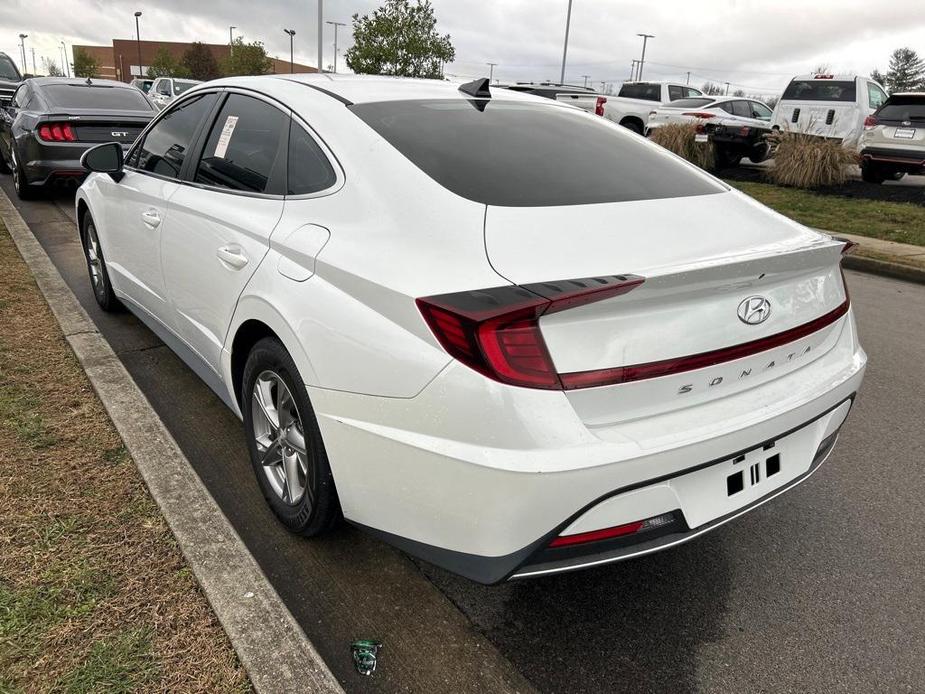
<point>870,121</point>
<point>699,114</point>
<point>57,132</point>
<point>496,331</point>
<point>599,106</point>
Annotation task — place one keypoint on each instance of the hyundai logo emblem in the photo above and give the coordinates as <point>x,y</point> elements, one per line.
<point>754,310</point>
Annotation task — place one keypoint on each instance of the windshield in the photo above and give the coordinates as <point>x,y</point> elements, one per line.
<point>903,108</point>
<point>180,86</point>
<point>8,71</point>
<point>96,97</point>
<point>519,154</point>
<point>820,90</point>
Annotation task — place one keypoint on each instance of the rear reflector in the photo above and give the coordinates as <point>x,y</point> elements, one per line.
<point>617,531</point>
<point>496,331</point>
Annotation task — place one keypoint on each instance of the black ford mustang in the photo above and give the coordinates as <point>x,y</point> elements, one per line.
<point>52,121</point>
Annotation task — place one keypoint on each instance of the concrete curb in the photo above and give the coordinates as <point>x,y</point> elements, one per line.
<point>273,648</point>
<point>887,268</point>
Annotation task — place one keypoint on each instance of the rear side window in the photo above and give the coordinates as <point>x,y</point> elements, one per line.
<point>642,90</point>
<point>309,170</point>
<point>167,143</point>
<point>529,155</point>
<point>903,108</point>
<point>67,96</point>
<point>875,96</point>
<point>742,108</point>
<point>244,149</point>
<point>820,90</point>
<point>677,92</point>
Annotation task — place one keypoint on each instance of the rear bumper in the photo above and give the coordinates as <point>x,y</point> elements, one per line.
<point>478,477</point>
<point>46,163</point>
<point>912,158</point>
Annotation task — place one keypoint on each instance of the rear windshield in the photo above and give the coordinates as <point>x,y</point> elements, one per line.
<point>648,91</point>
<point>96,97</point>
<point>8,71</point>
<point>902,108</point>
<point>820,90</point>
<point>691,103</point>
<point>517,154</point>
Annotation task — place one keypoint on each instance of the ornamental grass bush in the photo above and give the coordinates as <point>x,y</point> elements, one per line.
<point>809,161</point>
<point>680,139</point>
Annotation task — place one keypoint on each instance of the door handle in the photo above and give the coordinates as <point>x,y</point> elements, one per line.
<point>151,218</point>
<point>232,256</point>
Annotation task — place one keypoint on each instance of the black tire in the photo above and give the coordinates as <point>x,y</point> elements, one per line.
<point>726,159</point>
<point>4,165</point>
<point>20,183</point>
<point>872,173</point>
<point>897,175</point>
<point>96,267</point>
<point>759,153</point>
<point>632,124</point>
<point>317,509</point>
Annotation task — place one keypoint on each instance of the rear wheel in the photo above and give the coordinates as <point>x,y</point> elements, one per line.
<point>96,267</point>
<point>632,124</point>
<point>726,159</point>
<point>23,190</point>
<point>285,443</point>
<point>873,173</point>
<point>759,153</point>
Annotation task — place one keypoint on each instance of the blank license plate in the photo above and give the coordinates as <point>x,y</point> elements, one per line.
<point>904,133</point>
<point>703,137</point>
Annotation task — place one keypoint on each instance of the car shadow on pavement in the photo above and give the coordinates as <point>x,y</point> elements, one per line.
<point>633,626</point>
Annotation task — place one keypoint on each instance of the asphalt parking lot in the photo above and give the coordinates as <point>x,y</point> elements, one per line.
<point>821,590</point>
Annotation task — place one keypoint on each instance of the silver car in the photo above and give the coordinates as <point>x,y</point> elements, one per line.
<point>166,89</point>
<point>893,142</point>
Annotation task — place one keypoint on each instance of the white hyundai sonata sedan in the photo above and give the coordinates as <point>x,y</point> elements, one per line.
<point>503,334</point>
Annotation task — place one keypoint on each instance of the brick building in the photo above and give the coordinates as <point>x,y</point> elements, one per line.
<point>120,61</point>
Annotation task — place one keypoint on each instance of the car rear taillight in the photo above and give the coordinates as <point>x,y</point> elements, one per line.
<point>497,333</point>
<point>699,114</point>
<point>57,132</point>
<point>599,106</point>
<point>870,122</point>
<point>617,531</point>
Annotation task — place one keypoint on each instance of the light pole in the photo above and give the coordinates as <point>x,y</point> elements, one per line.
<point>22,48</point>
<point>34,71</point>
<point>586,77</point>
<point>141,73</point>
<point>642,61</point>
<point>633,70</point>
<point>320,35</point>
<point>336,24</point>
<point>291,33</point>
<point>491,71</point>
<point>568,20</point>
<point>727,89</point>
<point>67,68</point>
<point>231,36</point>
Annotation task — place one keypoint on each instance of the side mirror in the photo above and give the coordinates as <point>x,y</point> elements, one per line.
<point>106,158</point>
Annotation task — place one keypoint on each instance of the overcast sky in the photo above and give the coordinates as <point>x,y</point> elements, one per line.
<point>755,45</point>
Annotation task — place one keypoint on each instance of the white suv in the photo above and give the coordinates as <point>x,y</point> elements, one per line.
<point>473,321</point>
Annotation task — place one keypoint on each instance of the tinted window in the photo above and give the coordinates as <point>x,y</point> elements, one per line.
<point>692,103</point>
<point>20,97</point>
<point>742,108</point>
<point>167,143</point>
<point>163,87</point>
<point>309,170</point>
<point>760,111</point>
<point>675,93</point>
<point>820,90</point>
<point>642,90</point>
<point>726,106</point>
<point>8,70</point>
<point>243,149</point>
<point>96,97</point>
<point>519,154</point>
<point>180,86</point>
<point>903,108</point>
<point>875,96</point>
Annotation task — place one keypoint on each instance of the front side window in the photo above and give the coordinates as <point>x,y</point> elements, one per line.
<point>760,111</point>
<point>690,92</point>
<point>309,170</point>
<point>243,151</point>
<point>167,143</point>
<point>163,87</point>
<point>8,70</point>
<point>875,96</point>
<point>675,92</point>
<point>520,154</point>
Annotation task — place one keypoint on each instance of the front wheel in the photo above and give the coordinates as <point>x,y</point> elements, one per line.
<point>285,444</point>
<point>632,124</point>
<point>96,267</point>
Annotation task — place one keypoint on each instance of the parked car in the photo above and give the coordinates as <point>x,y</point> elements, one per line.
<point>142,84</point>
<point>9,79</point>
<point>549,90</point>
<point>893,142</point>
<point>52,121</point>
<point>632,105</point>
<point>165,89</point>
<point>737,126</point>
<point>833,106</point>
<point>585,351</point>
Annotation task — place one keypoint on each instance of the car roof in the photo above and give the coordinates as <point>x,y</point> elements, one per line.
<point>829,77</point>
<point>358,89</point>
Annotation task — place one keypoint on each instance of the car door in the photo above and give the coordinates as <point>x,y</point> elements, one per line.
<point>221,219</point>
<point>7,116</point>
<point>137,206</point>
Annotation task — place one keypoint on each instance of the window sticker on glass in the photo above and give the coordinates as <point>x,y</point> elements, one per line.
<point>222,145</point>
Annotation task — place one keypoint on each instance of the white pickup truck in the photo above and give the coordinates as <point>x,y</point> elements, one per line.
<point>632,105</point>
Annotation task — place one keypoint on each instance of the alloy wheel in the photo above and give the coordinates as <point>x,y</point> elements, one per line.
<point>280,438</point>
<point>94,261</point>
<point>14,168</point>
